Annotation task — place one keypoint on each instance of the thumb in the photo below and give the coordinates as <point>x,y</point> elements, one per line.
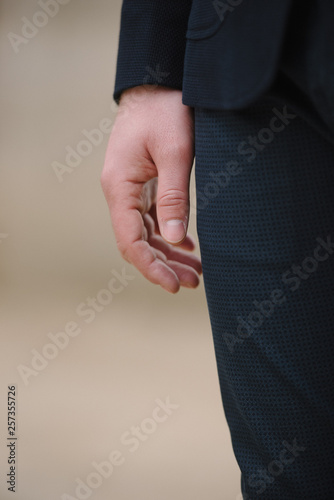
<point>173,201</point>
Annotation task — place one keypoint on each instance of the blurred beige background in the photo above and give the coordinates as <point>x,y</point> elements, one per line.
<point>57,250</point>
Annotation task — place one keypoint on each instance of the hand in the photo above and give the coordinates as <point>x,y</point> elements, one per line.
<point>146,184</point>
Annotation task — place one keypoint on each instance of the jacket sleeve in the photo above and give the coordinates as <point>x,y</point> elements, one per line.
<point>152,44</point>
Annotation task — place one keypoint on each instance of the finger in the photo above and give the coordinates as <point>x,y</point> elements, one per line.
<point>176,254</point>
<point>149,225</point>
<point>156,270</point>
<point>188,243</point>
<point>187,275</point>
<point>125,205</point>
<point>174,167</point>
<point>139,253</point>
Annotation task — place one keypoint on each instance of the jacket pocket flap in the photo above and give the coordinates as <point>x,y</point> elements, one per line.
<point>206,16</point>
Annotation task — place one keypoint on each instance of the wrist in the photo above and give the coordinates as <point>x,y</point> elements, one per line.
<point>139,92</point>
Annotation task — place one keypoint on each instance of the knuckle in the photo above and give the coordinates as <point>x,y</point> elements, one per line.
<point>173,197</point>
<point>123,250</point>
<point>110,184</point>
<point>104,178</point>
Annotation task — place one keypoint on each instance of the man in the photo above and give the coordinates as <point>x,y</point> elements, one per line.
<point>247,88</point>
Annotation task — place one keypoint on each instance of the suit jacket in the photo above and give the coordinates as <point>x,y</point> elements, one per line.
<point>224,54</point>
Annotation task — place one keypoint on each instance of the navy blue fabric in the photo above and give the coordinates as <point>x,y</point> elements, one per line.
<point>238,61</point>
<point>152,44</point>
<point>307,59</point>
<point>265,218</point>
<point>226,54</point>
<point>221,54</point>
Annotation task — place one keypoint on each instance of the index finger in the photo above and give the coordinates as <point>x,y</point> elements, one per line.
<point>126,204</point>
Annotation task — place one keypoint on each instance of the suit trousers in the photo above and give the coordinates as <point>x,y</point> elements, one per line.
<point>265,220</point>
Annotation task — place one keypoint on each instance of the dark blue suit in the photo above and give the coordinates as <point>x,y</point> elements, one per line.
<point>260,76</point>
<point>221,55</point>
<point>225,54</point>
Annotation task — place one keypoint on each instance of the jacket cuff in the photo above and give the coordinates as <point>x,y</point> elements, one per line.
<point>152,44</point>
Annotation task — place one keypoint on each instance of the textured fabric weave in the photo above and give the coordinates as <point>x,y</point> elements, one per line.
<point>265,182</point>
<point>152,44</point>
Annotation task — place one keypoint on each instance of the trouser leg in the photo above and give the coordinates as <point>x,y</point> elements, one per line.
<point>265,216</point>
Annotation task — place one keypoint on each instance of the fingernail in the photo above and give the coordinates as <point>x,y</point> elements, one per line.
<point>174,230</point>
